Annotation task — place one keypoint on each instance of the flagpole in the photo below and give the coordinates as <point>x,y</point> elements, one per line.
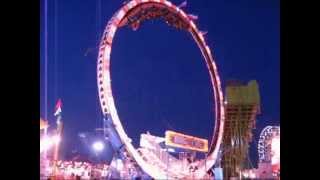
<point>57,113</point>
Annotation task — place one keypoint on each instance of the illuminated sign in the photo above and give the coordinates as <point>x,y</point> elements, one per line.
<point>179,140</point>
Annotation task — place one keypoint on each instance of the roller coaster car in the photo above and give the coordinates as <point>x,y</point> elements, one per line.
<point>135,25</point>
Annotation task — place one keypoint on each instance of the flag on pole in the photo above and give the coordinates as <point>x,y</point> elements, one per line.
<point>193,17</point>
<point>58,107</point>
<point>203,32</point>
<point>183,4</point>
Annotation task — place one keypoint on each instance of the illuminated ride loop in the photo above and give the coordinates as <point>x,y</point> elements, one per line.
<point>132,14</point>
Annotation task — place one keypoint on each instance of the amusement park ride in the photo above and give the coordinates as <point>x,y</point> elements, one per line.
<point>234,118</point>
<point>242,107</point>
<point>269,151</point>
<point>132,14</point>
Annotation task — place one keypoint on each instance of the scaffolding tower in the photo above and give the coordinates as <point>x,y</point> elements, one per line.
<point>242,106</point>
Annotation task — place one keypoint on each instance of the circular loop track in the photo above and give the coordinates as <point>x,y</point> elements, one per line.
<point>132,14</point>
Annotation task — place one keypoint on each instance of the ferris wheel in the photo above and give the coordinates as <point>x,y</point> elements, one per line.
<point>132,14</point>
<point>268,134</point>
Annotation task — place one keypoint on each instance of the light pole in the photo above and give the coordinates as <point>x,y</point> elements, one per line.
<point>98,147</point>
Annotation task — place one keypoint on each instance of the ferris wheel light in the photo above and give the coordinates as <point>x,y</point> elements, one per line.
<point>275,149</point>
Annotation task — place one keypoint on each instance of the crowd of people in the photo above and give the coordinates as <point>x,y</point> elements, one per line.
<point>73,170</point>
<point>77,170</point>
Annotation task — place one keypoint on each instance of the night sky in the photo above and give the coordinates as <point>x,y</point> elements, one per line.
<point>160,80</point>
